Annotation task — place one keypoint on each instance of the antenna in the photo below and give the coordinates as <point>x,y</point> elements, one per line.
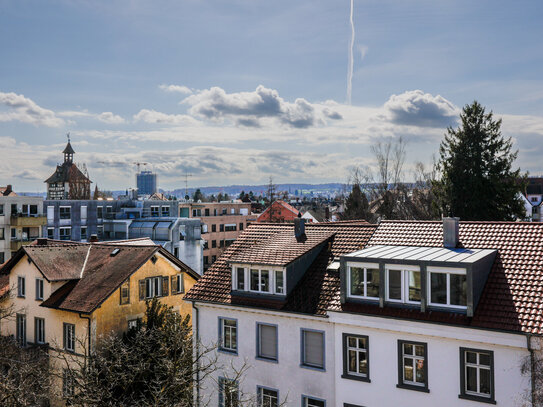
<point>68,136</point>
<point>186,175</point>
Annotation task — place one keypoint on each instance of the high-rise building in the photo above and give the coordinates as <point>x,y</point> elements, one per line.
<point>146,182</point>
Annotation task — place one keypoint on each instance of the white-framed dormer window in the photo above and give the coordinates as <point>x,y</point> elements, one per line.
<point>447,287</point>
<point>403,283</point>
<point>363,280</point>
<point>260,279</point>
<point>155,210</point>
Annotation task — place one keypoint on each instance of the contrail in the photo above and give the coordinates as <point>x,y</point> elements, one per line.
<point>351,61</point>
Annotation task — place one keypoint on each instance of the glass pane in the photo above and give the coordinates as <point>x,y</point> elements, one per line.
<point>241,279</point>
<point>484,359</point>
<point>362,343</point>
<point>227,338</point>
<point>419,350</point>
<point>254,280</point>
<point>484,377</point>
<point>407,349</point>
<point>471,357</point>
<point>352,361</point>
<point>265,280</point>
<point>279,286</point>
<point>372,287</point>
<point>234,339</point>
<point>357,281</point>
<point>395,284</point>
<point>420,377</point>
<point>458,289</point>
<point>414,285</point>
<point>438,284</point>
<point>408,369</point>
<point>362,363</point>
<point>352,342</point>
<point>471,379</point>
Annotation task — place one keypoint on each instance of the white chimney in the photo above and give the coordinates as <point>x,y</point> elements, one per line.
<point>450,232</point>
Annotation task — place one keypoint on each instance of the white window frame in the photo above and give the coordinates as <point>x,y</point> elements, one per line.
<point>164,209</point>
<point>306,401</point>
<point>222,335</point>
<point>404,268</point>
<point>60,211</point>
<point>153,285</point>
<point>358,350</point>
<point>364,266</point>
<point>415,359</point>
<point>478,366</point>
<point>448,271</point>
<point>68,228</point>
<point>39,326</point>
<point>273,270</point>
<point>69,336</point>
<point>267,399</point>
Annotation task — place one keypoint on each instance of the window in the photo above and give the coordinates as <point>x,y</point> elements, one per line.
<point>50,233</point>
<point>65,212</point>
<point>67,383</point>
<point>240,277</point>
<point>132,324</point>
<point>477,374</point>
<point>100,212</point>
<point>69,337</point>
<point>241,226</point>
<point>403,284</point>
<point>21,288</point>
<point>312,348</point>
<point>279,282</point>
<point>155,211</point>
<point>13,209</point>
<point>206,260</point>
<point>39,289</point>
<point>154,287</point>
<point>267,397</point>
<point>65,233</point>
<point>1,233</point>
<point>165,211</point>
<point>266,341</point>
<point>213,243</point>
<point>213,228</point>
<point>228,335</point>
<point>1,209</point>
<point>213,258</point>
<point>196,213</point>
<point>230,227</point>
<point>39,330</point>
<point>83,232</point>
<point>221,228</point>
<point>228,393</point>
<point>215,212</point>
<point>206,211</point>
<point>228,242</point>
<point>13,233</point>
<point>125,292</point>
<point>100,231</point>
<point>206,245</point>
<point>223,211</point>
<point>260,280</point>
<point>2,259</point>
<point>83,212</point>
<point>177,284</point>
<point>412,366</point>
<point>355,357</point>
<point>448,287</point>
<point>534,199</point>
<point>312,402</point>
<point>364,281</point>
<point>21,329</point>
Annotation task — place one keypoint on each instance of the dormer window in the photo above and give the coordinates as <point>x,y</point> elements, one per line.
<point>259,279</point>
<point>363,281</point>
<point>403,284</point>
<point>448,287</point>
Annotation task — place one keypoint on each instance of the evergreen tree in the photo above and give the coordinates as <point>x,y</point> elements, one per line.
<point>198,195</point>
<point>477,179</point>
<point>356,205</point>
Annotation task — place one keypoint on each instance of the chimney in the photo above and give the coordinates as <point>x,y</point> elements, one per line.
<point>93,238</point>
<point>8,190</point>
<point>299,226</point>
<point>327,213</point>
<point>450,232</point>
<point>41,242</point>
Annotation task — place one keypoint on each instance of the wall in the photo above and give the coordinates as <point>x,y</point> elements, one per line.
<point>286,375</point>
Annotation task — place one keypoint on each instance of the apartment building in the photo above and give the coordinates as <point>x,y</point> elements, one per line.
<point>222,222</point>
<point>21,222</point>
<point>404,313</point>
<point>69,294</point>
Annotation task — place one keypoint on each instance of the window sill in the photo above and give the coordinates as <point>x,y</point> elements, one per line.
<point>423,389</point>
<point>228,351</point>
<point>481,399</point>
<point>266,359</point>
<point>319,369</point>
<point>354,377</point>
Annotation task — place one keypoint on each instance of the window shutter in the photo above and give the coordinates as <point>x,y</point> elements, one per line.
<point>37,289</point>
<point>165,281</point>
<point>314,348</point>
<point>181,283</point>
<point>268,341</point>
<point>142,289</point>
<point>64,333</point>
<point>174,285</point>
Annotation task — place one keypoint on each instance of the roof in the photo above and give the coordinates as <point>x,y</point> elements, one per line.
<point>7,191</point>
<point>68,149</point>
<point>4,284</point>
<point>64,172</point>
<point>311,295</point>
<point>512,299</point>
<point>275,204</point>
<point>430,254</point>
<point>91,270</point>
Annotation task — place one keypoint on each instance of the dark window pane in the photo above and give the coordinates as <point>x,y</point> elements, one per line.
<point>372,276</point>
<point>420,378</point>
<point>471,357</point>
<point>471,379</point>
<point>438,284</point>
<point>484,378</point>
<point>395,284</point>
<point>357,281</point>
<point>265,280</point>
<point>414,285</point>
<point>363,363</point>
<point>241,278</point>
<point>352,342</point>
<point>254,280</point>
<point>407,349</point>
<point>458,289</point>
<point>352,361</point>
<point>419,350</point>
<point>408,369</point>
<point>362,343</point>
<point>484,359</point>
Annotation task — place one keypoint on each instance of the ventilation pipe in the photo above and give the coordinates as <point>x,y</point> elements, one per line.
<point>450,232</point>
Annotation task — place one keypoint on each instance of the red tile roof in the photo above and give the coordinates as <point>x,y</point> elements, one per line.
<point>282,212</point>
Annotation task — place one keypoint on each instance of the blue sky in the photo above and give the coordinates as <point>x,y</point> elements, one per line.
<point>235,91</point>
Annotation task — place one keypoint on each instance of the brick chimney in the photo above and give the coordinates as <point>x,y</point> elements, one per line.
<point>450,232</point>
<point>41,241</point>
<point>8,190</point>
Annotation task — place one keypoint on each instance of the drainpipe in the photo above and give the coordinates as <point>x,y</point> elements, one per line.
<point>88,330</point>
<point>532,370</point>
<point>195,325</point>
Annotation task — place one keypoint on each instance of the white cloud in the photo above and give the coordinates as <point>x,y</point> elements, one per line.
<point>110,118</point>
<point>22,109</point>
<point>104,117</point>
<point>154,117</point>
<point>176,88</point>
<point>416,108</point>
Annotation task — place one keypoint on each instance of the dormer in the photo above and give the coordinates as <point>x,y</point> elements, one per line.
<point>272,268</point>
<point>425,278</point>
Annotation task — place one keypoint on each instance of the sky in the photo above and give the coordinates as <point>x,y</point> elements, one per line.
<point>236,91</point>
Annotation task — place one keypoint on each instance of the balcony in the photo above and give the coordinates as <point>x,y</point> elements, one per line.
<point>16,244</point>
<point>24,220</point>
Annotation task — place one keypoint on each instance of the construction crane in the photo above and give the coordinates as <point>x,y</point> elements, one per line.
<point>186,175</point>
<point>138,164</point>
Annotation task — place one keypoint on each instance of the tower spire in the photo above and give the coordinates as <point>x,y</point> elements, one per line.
<point>68,151</point>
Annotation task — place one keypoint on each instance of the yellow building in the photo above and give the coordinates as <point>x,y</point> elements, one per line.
<point>69,294</point>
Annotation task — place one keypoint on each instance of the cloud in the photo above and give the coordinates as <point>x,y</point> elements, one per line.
<point>176,88</point>
<point>154,117</point>
<point>110,118</point>
<point>416,108</point>
<point>29,175</point>
<point>252,108</point>
<point>22,109</point>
